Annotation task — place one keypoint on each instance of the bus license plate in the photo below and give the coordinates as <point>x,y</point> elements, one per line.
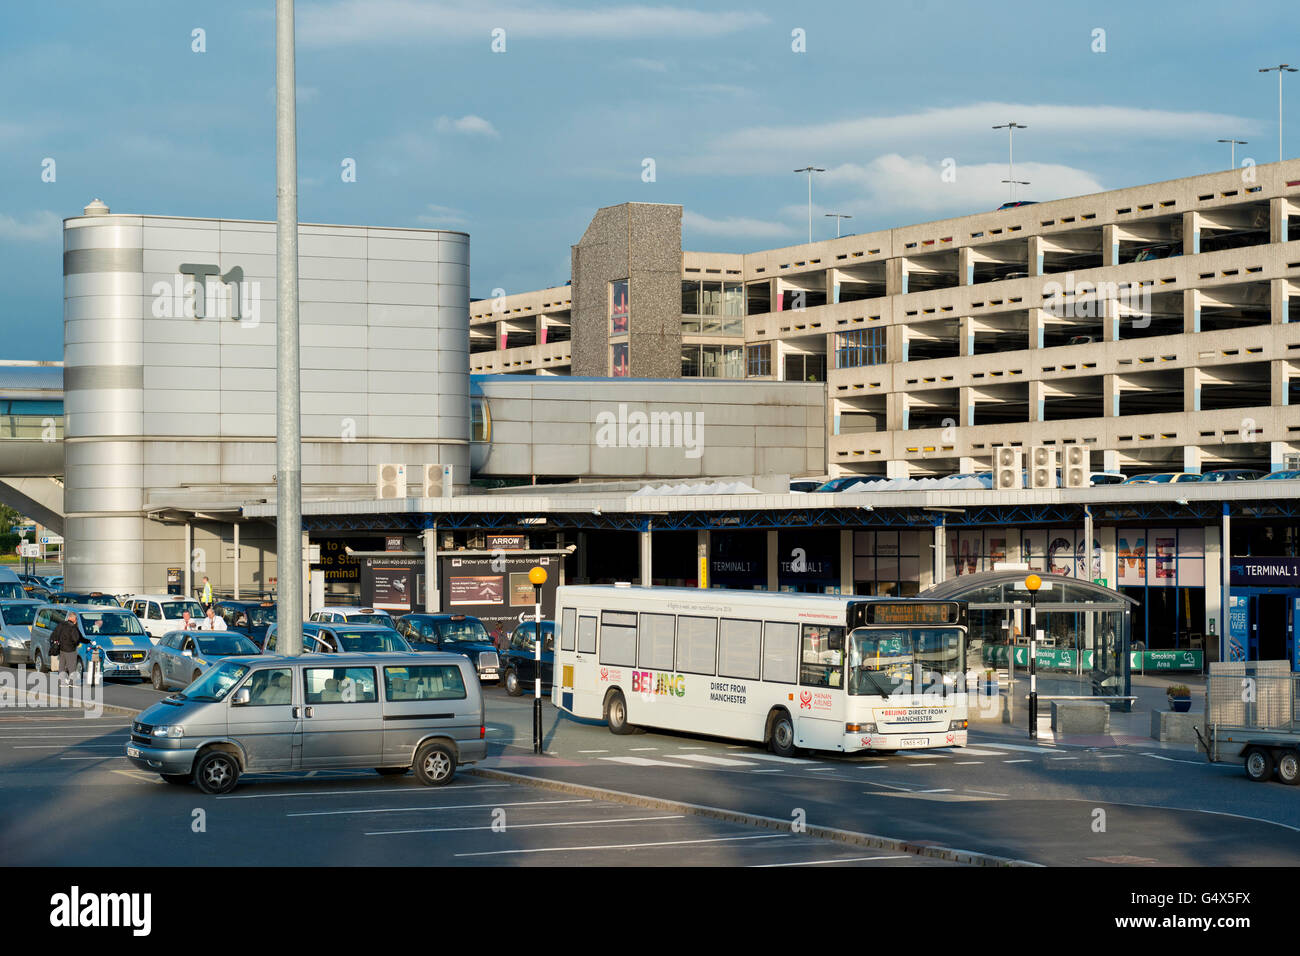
<point>132,752</point>
<point>915,741</point>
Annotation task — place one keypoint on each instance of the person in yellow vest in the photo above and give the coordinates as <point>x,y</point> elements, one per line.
<point>207,592</point>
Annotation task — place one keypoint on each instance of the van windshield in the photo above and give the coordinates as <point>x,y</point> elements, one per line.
<point>216,682</point>
<point>12,590</point>
<point>20,613</point>
<point>107,623</point>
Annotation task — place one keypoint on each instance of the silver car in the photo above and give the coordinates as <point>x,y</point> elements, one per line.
<point>16,630</point>
<point>180,657</point>
<point>388,712</point>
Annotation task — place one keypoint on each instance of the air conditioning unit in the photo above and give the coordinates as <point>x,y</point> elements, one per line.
<point>438,481</point>
<point>1008,472</point>
<point>1078,466</point>
<point>1042,467</point>
<point>391,482</point>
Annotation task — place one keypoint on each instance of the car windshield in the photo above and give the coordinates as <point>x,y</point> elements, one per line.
<point>109,623</point>
<point>225,645</point>
<point>20,613</point>
<point>467,631</point>
<point>172,610</point>
<point>259,616</point>
<point>369,619</point>
<point>216,682</point>
<point>911,661</point>
<point>359,641</point>
<point>12,590</point>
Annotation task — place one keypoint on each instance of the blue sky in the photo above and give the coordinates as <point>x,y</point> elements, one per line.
<point>520,148</point>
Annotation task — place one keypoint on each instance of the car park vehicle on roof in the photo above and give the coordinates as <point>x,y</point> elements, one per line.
<point>1233,474</point>
<point>1107,478</point>
<point>845,482</point>
<point>805,485</point>
<point>1018,202</point>
<point>322,638</point>
<point>162,613</point>
<point>1162,478</point>
<point>16,617</point>
<point>388,712</point>
<point>180,657</point>
<point>353,615</point>
<point>115,632</point>
<point>247,617</point>
<point>458,633</point>
<point>1281,476</point>
<point>519,660</point>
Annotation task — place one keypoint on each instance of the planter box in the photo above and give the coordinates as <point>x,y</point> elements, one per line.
<point>1172,728</point>
<point>1180,705</point>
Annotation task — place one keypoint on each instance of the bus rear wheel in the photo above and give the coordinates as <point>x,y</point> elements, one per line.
<point>616,715</point>
<point>782,734</point>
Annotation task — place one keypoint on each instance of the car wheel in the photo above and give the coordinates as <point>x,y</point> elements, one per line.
<point>40,664</point>
<point>1259,764</point>
<point>616,715</point>
<point>435,764</point>
<point>1288,767</point>
<point>177,778</point>
<point>195,676</point>
<point>391,771</point>
<point>157,678</point>
<point>511,680</point>
<point>783,735</point>
<point>216,772</point>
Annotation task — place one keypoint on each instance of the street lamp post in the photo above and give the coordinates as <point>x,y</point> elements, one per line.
<point>1033,582</point>
<point>1233,153</point>
<point>1011,165</point>
<point>538,577</point>
<point>837,216</point>
<point>288,417</point>
<point>810,170</point>
<point>1279,69</point>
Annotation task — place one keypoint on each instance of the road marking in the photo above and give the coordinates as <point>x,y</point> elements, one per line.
<point>710,759</point>
<point>872,766</point>
<point>767,771</point>
<point>1062,758</point>
<point>1025,760</point>
<point>94,758</point>
<point>642,748</point>
<point>627,846</point>
<point>988,793</point>
<point>850,859</point>
<point>967,763</point>
<point>974,752</point>
<point>1109,756</point>
<point>593,751</point>
<point>925,756</point>
<point>463,806</point>
<point>923,765</point>
<point>528,826</point>
<point>943,790</point>
<point>1173,759</point>
<point>695,748</point>
<point>647,762</point>
<point>334,793</point>
<point>1025,748</point>
<point>775,759</point>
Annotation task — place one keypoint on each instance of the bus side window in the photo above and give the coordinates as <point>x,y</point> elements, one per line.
<point>822,657</point>
<point>568,628</point>
<point>587,635</point>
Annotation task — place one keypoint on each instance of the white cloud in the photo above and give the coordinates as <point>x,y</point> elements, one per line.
<point>351,22</point>
<point>42,226</point>
<point>737,227</point>
<point>469,125</point>
<point>441,216</point>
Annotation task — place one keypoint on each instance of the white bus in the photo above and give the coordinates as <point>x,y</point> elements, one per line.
<point>820,672</point>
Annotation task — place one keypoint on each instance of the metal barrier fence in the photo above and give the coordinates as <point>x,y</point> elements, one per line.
<point>1253,694</point>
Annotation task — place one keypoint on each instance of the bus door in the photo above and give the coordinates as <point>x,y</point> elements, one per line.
<point>819,717</point>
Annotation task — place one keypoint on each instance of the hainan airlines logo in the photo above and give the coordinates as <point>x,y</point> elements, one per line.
<point>604,673</point>
<point>866,741</point>
<point>952,738</point>
<point>805,700</point>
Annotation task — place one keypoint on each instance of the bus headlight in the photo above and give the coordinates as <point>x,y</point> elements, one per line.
<point>958,725</point>
<point>859,728</point>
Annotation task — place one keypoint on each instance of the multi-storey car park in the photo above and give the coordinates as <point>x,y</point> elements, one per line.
<point>1150,324</point>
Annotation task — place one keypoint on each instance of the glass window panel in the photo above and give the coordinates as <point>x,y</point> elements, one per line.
<point>739,649</point>
<point>340,685</point>
<point>424,682</point>
<point>696,644</point>
<point>656,645</point>
<point>780,652</point>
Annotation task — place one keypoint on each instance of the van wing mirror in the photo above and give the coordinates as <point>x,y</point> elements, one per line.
<point>242,697</point>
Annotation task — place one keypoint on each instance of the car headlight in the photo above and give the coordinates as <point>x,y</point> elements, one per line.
<point>14,642</point>
<point>169,730</point>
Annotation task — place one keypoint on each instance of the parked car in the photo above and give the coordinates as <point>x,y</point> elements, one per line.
<point>181,657</point>
<point>1233,474</point>
<point>322,638</point>
<point>11,588</point>
<point>1018,202</point>
<point>249,715</point>
<point>98,598</point>
<point>1081,340</point>
<point>1162,478</point>
<point>353,615</point>
<point>53,581</point>
<point>162,613</point>
<point>801,486</point>
<point>458,633</point>
<point>16,630</point>
<point>519,660</point>
<point>844,482</point>
<point>1107,478</point>
<point>38,592</point>
<point>1281,475</point>
<point>116,633</point>
<point>247,617</point>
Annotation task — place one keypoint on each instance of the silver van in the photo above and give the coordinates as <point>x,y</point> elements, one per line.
<point>388,712</point>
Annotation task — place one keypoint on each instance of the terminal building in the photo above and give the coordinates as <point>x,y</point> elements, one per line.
<point>643,421</point>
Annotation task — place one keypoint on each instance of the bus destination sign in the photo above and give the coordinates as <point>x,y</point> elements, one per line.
<point>910,612</point>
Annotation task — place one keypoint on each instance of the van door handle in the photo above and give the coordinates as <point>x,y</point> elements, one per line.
<point>297,712</point>
<point>311,712</point>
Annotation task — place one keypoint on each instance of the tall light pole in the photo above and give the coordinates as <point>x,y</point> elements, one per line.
<point>1233,153</point>
<point>837,216</point>
<point>1033,582</point>
<point>288,417</point>
<point>537,577</point>
<point>1011,165</point>
<point>810,170</point>
<point>1280,68</point>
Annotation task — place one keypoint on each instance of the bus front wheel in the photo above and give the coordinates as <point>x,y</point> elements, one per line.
<point>782,734</point>
<point>616,715</point>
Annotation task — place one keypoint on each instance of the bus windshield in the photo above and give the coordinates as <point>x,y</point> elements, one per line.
<point>903,661</point>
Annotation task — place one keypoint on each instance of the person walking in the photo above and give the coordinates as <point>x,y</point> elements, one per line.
<point>65,640</point>
<point>207,592</point>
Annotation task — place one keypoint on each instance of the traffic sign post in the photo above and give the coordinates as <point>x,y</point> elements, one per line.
<point>1033,583</point>
<point>538,577</point>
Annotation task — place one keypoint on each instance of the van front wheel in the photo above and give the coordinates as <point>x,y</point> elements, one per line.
<point>216,772</point>
<point>435,765</point>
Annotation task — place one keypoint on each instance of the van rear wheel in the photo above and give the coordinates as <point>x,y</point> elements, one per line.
<point>435,764</point>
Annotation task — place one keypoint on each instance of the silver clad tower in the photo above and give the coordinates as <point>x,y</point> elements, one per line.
<point>169,353</point>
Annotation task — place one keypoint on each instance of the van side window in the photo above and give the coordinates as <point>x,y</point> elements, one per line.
<point>270,687</point>
<point>340,685</point>
<point>424,682</point>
